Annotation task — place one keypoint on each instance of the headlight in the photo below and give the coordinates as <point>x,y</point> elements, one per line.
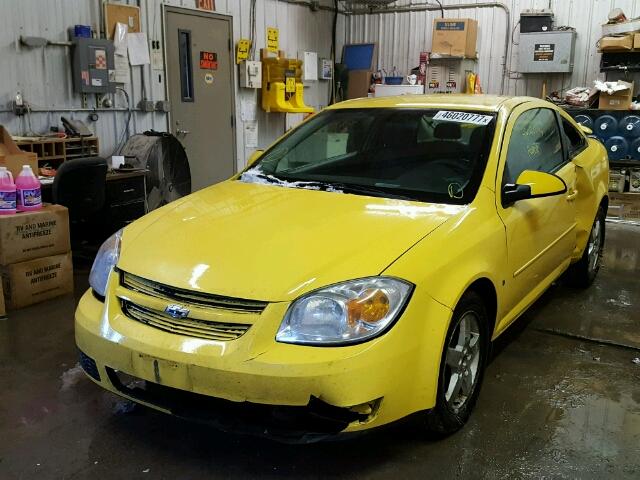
<point>106,259</point>
<point>344,313</point>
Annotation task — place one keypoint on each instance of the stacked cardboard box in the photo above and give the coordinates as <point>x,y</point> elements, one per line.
<point>12,157</point>
<point>35,256</point>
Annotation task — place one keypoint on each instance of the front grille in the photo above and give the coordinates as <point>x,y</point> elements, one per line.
<point>186,326</point>
<point>149,287</point>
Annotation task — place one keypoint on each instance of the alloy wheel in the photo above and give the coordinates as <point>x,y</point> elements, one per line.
<point>594,246</point>
<point>462,361</point>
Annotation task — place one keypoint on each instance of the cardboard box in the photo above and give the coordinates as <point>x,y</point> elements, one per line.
<point>12,157</point>
<point>636,41</point>
<point>359,83</point>
<point>34,281</point>
<point>620,43</point>
<point>620,100</point>
<point>28,235</point>
<point>455,36</point>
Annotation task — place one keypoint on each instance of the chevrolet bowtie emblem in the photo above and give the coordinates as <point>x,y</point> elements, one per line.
<point>176,311</point>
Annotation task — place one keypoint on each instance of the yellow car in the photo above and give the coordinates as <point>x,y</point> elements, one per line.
<point>356,272</point>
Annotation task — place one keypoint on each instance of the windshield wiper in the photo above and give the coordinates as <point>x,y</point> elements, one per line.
<point>369,190</point>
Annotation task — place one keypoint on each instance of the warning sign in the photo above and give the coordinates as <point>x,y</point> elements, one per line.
<point>208,60</point>
<point>101,59</point>
<point>290,81</point>
<point>242,52</point>
<point>272,39</point>
<point>543,52</point>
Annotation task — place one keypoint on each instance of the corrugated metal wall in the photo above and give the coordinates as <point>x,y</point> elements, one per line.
<point>401,37</point>
<point>44,78</point>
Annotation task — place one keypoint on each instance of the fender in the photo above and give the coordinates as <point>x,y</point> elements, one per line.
<point>592,183</point>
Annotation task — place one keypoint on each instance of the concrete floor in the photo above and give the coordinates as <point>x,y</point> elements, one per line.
<point>561,399</point>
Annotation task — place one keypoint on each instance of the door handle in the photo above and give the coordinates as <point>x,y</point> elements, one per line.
<point>182,132</point>
<point>572,195</point>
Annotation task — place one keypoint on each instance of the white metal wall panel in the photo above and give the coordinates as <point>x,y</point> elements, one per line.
<point>44,78</point>
<point>402,36</point>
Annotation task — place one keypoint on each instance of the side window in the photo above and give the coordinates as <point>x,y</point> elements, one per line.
<point>575,140</point>
<point>534,145</point>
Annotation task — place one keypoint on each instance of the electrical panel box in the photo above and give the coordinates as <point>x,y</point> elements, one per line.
<point>250,74</point>
<point>448,75</point>
<point>93,65</point>
<point>547,52</point>
<point>536,21</point>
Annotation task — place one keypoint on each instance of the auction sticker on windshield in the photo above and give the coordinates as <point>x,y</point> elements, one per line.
<point>463,117</point>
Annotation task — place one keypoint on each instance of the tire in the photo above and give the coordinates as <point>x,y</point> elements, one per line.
<point>582,273</point>
<point>454,405</point>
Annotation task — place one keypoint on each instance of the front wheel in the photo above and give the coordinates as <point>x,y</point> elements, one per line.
<point>462,366</point>
<point>583,272</point>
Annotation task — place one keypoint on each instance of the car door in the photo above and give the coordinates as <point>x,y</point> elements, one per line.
<point>540,232</point>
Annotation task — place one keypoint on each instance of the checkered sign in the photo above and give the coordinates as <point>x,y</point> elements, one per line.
<point>101,60</point>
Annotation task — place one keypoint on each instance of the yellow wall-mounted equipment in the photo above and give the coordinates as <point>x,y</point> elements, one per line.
<point>282,87</point>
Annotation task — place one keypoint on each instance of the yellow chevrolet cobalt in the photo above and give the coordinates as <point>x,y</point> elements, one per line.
<point>354,273</point>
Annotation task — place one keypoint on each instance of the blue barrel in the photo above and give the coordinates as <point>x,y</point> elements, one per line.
<point>629,126</point>
<point>634,149</point>
<point>617,147</point>
<point>605,126</point>
<point>584,120</point>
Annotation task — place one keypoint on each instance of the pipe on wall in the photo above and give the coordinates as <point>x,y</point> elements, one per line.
<point>422,8</point>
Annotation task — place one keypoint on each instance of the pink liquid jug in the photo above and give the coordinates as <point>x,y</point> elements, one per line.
<point>7,192</point>
<point>28,196</point>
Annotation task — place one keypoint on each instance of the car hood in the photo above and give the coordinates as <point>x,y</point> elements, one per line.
<point>273,243</point>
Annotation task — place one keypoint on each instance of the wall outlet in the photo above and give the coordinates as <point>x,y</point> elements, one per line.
<point>163,106</point>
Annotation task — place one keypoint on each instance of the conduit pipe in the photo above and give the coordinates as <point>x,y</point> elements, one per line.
<point>422,8</point>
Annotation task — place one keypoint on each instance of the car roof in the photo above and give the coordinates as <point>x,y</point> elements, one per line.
<point>488,103</point>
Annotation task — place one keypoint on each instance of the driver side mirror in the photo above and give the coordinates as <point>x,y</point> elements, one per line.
<point>586,130</point>
<point>532,184</point>
<point>254,157</point>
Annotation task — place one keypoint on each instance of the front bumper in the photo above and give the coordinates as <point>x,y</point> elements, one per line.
<point>362,386</point>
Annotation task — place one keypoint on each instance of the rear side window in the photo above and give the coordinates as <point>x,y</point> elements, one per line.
<point>575,140</point>
<point>534,144</point>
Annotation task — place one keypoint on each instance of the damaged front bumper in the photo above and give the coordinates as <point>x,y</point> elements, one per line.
<point>256,385</point>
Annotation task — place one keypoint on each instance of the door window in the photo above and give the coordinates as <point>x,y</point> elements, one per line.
<point>186,67</point>
<point>534,145</point>
<point>575,140</point>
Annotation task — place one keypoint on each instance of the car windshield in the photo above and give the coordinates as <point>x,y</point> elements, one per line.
<point>425,155</point>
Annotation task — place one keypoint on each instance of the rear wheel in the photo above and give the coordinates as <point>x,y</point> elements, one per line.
<point>583,272</point>
<point>462,366</point>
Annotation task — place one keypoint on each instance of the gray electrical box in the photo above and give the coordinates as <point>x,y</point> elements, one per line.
<point>93,65</point>
<point>547,52</point>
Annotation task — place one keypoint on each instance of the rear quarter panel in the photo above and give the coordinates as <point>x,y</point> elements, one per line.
<point>592,184</point>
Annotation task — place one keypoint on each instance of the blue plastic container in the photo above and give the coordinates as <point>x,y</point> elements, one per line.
<point>630,126</point>
<point>605,126</point>
<point>584,120</point>
<point>617,147</point>
<point>393,80</point>
<point>82,31</point>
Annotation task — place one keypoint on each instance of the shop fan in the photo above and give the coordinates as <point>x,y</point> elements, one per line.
<point>162,155</point>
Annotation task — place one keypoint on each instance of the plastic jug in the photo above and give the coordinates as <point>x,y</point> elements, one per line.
<point>7,192</point>
<point>28,196</point>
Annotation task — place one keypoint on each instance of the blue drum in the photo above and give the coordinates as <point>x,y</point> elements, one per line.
<point>605,126</point>
<point>617,147</point>
<point>629,126</point>
<point>584,120</point>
